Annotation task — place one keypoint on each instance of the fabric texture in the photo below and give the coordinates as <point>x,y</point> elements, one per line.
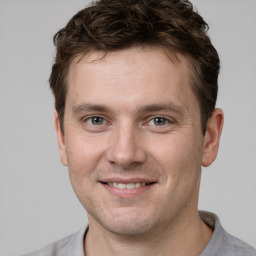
<point>71,245</point>
<point>221,243</point>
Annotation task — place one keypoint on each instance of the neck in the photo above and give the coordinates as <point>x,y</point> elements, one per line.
<point>189,236</point>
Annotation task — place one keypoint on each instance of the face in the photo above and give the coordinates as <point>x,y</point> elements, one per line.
<point>133,141</point>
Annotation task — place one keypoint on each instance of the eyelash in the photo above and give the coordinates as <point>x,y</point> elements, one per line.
<point>163,119</point>
<point>94,117</point>
<point>154,119</point>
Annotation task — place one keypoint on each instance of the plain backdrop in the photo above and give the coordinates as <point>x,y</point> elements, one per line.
<point>37,203</point>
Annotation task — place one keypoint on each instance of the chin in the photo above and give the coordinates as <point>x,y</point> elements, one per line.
<point>127,223</point>
<point>127,228</point>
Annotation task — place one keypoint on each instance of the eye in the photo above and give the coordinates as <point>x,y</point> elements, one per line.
<point>95,120</point>
<point>158,121</point>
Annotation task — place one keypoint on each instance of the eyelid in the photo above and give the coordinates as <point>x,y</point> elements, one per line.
<point>107,121</point>
<point>90,127</point>
<point>85,118</point>
<point>94,117</point>
<point>87,123</point>
<point>168,119</point>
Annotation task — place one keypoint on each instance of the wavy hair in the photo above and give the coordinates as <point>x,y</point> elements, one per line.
<point>110,25</point>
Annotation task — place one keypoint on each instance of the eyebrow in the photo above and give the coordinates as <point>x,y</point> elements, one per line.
<point>170,106</point>
<point>89,107</point>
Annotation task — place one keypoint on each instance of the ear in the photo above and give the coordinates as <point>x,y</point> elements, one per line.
<point>212,137</point>
<point>60,139</point>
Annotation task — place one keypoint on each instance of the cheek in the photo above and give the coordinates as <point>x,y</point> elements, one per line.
<point>83,154</point>
<point>180,161</point>
<point>170,152</point>
<point>179,158</point>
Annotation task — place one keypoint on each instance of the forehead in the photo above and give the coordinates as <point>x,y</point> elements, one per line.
<point>161,56</point>
<point>130,74</point>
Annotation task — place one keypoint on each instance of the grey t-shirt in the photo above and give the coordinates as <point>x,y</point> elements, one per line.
<point>221,243</point>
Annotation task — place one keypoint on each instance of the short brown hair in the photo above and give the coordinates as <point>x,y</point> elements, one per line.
<point>110,25</point>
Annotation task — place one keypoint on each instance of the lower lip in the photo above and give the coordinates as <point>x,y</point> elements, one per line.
<point>128,192</point>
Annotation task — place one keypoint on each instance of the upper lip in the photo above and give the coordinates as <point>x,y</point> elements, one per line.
<point>127,181</point>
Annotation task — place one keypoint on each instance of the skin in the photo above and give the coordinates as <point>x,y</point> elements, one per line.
<point>146,128</point>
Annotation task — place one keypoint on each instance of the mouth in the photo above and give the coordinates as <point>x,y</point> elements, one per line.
<point>128,185</point>
<point>132,188</point>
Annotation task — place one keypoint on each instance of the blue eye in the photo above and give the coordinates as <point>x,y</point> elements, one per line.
<point>96,120</point>
<point>159,121</point>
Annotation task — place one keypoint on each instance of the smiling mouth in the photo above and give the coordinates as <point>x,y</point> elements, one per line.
<point>127,185</point>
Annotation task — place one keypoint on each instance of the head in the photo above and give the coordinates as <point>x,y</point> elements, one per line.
<point>110,25</point>
<point>135,84</point>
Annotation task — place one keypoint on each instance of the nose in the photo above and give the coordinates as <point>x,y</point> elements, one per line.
<point>126,147</point>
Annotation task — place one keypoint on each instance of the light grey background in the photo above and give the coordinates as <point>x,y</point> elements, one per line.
<point>37,204</point>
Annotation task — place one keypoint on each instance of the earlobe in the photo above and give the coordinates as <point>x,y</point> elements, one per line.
<point>212,137</point>
<point>60,139</point>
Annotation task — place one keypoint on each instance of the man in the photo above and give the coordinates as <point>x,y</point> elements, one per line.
<point>135,86</point>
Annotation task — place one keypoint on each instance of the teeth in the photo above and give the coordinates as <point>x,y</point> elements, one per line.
<point>130,186</point>
<point>126,186</point>
<point>137,185</point>
<point>121,185</point>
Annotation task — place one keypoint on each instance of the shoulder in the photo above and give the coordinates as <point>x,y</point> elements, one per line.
<point>71,245</point>
<point>222,243</point>
<point>236,247</point>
